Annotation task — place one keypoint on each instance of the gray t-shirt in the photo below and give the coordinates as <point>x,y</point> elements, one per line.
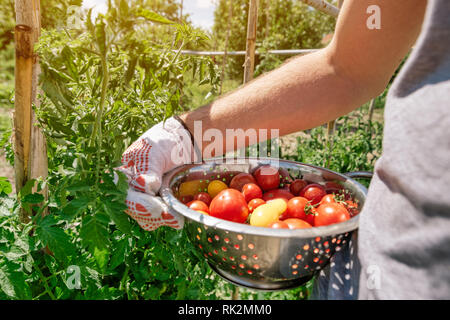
<point>402,249</point>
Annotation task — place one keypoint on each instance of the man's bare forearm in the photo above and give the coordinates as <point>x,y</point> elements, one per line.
<point>301,94</point>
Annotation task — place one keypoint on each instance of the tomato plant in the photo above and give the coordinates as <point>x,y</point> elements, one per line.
<point>103,86</point>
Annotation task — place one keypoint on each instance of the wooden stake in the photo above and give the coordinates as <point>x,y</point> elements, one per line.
<point>323,6</point>
<point>227,36</point>
<point>249,64</point>
<point>22,103</point>
<point>331,126</point>
<point>29,142</point>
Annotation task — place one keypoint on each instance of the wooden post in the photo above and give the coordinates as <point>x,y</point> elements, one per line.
<point>249,64</point>
<point>30,147</point>
<point>331,126</point>
<point>323,6</point>
<point>22,103</point>
<point>227,36</point>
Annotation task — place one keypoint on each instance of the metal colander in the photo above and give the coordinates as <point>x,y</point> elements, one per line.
<point>256,257</point>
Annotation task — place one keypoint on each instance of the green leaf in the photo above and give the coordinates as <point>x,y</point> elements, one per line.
<point>94,232</point>
<point>153,16</point>
<point>33,198</point>
<point>101,257</point>
<point>5,186</point>
<point>115,210</point>
<point>119,253</point>
<point>75,207</point>
<point>55,238</point>
<point>13,282</point>
<point>27,188</point>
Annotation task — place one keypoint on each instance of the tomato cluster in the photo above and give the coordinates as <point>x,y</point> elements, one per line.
<point>269,197</point>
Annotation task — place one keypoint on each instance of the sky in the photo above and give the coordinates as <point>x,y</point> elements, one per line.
<point>201,11</point>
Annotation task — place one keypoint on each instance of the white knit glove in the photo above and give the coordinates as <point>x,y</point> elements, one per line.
<point>159,150</point>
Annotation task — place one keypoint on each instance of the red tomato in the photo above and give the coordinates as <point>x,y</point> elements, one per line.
<point>251,191</point>
<point>299,208</point>
<point>330,213</point>
<point>328,198</point>
<point>187,198</point>
<point>278,225</point>
<point>240,180</point>
<point>229,205</point>
<point>198,205</point>
<point>297,185</point>
<point>255,203</point>
<point>277,193</point>
<point>313,192</point>
<point>294,223</point>
<point>267,177</point>
<point>203,196</point>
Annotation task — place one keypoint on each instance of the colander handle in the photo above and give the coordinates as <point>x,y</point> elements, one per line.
<point>359,174</point>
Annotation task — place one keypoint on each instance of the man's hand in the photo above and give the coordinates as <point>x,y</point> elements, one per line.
<point>159,150</point>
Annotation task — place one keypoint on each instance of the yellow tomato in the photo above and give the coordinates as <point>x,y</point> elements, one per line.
<point>215,187</point>
<point>267,213</point>
<point>191,188</point>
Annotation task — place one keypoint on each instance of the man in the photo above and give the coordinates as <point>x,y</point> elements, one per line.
<point>403,246</point>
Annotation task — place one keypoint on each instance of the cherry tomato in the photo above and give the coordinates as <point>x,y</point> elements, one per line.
<point>187,198</point>
<point>276,194</point>
<point>330,213</point>
<point>215,187</point>
<point>297,207</point>
<point>313,192</point>
<point>267,177</point>
<point>278,225</point>
<point>192,187</point>
<point>198,205</point>
<point>267,213</point>
<point>240,180</point>
<point>294,223</point>
<point>251,191</point>
<point>255,203</point>
<point>203,196</point>
<point>328,198</point>
<point>296,186</point>
<point>229,205</point>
